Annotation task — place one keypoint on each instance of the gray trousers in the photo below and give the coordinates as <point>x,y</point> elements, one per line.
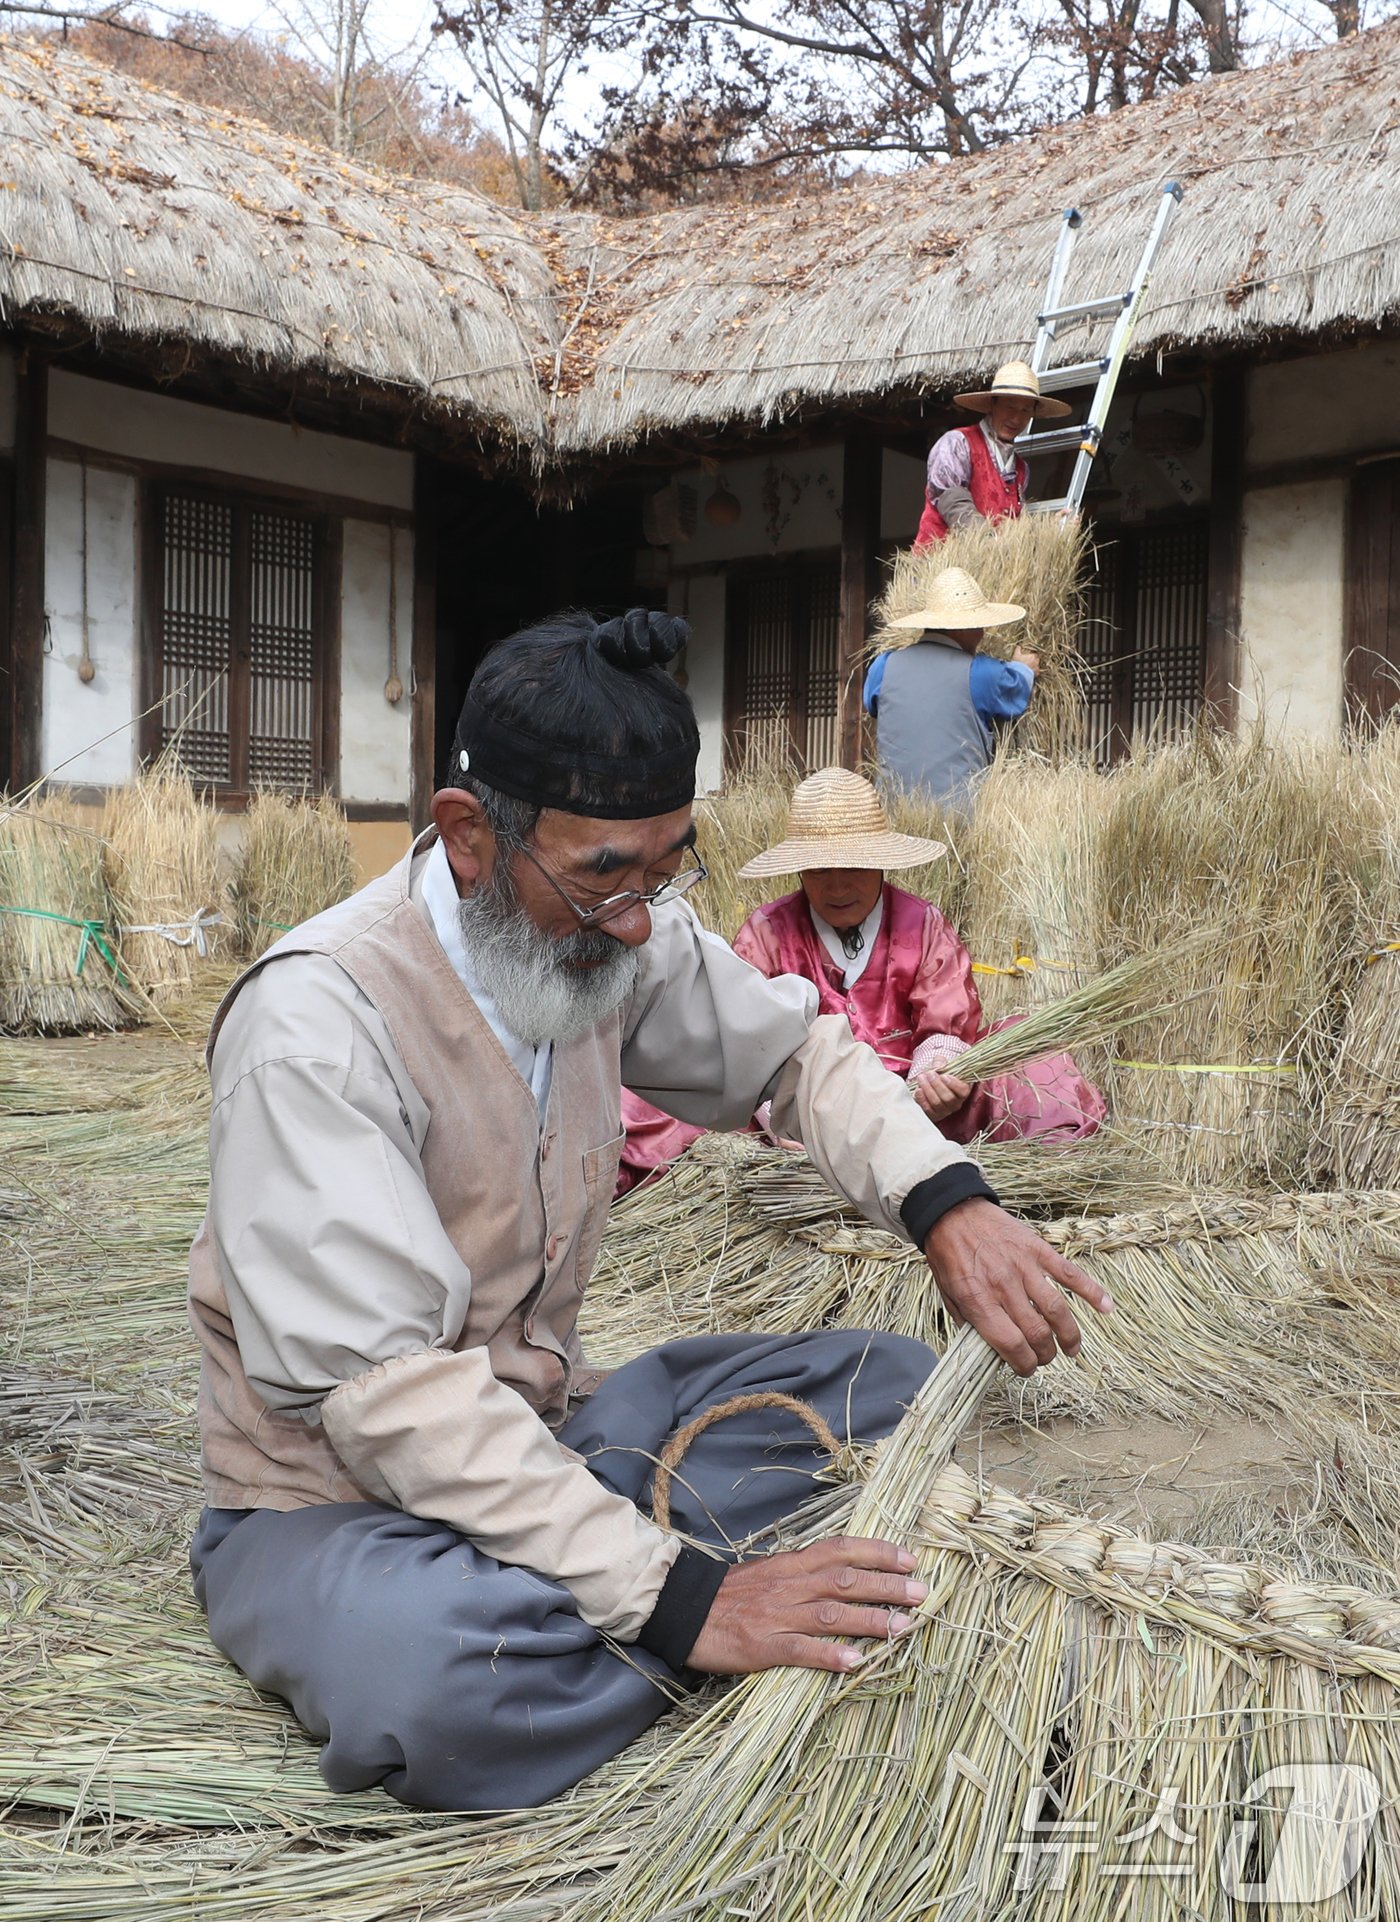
<point>461,1683</point>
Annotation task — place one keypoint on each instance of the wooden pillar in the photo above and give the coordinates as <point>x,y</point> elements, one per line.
<point>27,575</point>
<point>860,535</point>
<point>1222,667</point>
<point>424,771</point>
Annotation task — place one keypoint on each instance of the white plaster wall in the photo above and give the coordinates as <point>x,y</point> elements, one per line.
<point>1291,607</point>
<point>375,742</point>
<point>7,398</point>
<point>701,600</point>
<point>78,715</point>
<point>106,416</point>
<point>1322,404</point>
<point>787,502</point>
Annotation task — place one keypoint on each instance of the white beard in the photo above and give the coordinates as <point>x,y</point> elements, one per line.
<point>539,995</point>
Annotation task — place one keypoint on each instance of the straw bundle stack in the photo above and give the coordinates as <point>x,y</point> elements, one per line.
<point>1261,848</point>
<point>1365,1101</point>
<point>163,867</point>
<point>297,859</point>
<point>1036,562</point>
<point>59,973</point>
<point>1030,920</point>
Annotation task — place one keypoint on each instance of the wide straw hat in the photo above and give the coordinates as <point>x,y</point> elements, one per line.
<point>836,821</point>
<point>956,601</point>
<point>1016,378</point>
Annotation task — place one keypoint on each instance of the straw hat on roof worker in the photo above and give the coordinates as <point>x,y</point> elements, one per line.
<point>955,604</point>
<point>1017,380</point>
<point>975,473</point>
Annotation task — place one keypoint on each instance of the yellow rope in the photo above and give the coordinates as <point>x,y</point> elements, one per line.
<point>1213,1067</point>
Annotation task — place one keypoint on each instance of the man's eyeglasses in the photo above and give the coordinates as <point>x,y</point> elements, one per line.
<point>615,904</point>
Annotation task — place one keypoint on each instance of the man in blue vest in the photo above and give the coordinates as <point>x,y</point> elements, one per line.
<point>936,701</point>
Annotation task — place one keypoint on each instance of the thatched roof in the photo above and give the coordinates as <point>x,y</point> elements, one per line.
<point>1290,227</point>
<point>154,222</point>
<point>148,218</point>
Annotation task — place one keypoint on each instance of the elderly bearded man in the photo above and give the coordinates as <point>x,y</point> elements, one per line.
<point>428,1522</point>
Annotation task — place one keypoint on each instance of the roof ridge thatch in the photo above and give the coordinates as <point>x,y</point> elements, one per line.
<point>152,221</point>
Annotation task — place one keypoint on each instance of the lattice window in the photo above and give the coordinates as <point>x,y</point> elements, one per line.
<point>238,640</point>
<point>782,675</point>
<point>1373,594</point>
<point>1145,634</point>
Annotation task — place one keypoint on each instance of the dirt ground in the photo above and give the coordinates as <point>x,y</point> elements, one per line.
<point>1149,1476</point>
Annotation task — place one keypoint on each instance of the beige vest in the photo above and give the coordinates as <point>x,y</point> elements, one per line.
<point>523,1206</point>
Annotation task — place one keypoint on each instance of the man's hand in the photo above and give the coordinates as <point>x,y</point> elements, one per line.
<point>780,1611</point>
<point>995,1272</point>
<point>939,1094</point>
<point>1028,657</point>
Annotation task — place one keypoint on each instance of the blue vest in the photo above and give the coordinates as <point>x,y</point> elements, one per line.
<point>928,734</point>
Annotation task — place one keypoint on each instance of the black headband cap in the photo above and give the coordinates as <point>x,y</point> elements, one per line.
<point>615,782</point>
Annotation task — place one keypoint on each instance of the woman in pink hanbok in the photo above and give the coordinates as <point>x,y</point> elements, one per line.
<point>892,964</point>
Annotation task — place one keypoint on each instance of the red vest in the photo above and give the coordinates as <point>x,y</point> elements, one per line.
<point>994,497</point>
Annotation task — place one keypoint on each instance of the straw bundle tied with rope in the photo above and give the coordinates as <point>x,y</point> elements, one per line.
<point>1031,919</point>
<point>59,970</point>
<point>1037,562</point>
<point>1264,849</point>
<point>297,858</point>
<point>1364,1108</point>
<point>163,870</point>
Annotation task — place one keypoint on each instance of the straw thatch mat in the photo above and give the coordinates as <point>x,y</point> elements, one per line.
<point>59,971</point>
<point>1037,562</point>
<point>297,858</point>
<point>163,872</point>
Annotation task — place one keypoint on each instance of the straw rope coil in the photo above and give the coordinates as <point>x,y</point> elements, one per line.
<point>676,1449</point>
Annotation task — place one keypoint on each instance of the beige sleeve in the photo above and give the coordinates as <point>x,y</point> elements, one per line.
<point>435,1433</point>
<point>868,1137</point>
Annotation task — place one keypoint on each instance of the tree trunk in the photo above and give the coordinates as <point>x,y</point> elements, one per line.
<point>1222,47</point>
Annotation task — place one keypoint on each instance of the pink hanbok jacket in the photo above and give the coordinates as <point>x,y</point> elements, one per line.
<point>918,983</point>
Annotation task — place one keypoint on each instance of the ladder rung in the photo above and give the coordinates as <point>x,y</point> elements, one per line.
<point>1048,507</point>
<point>1052,379</point>
<point>1085,309</point>
<point>1056,439</point>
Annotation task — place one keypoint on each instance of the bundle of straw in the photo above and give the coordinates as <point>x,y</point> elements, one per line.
<point>163,869</point>
<point>1031,916</point>
<point>297,860</point>
<point>1364,1102</point>
<point>59,970</point>
<point>1260,849</point>
<point>1036,562</point>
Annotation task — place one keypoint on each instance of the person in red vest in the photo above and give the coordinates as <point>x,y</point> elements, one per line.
<point>976,471</point>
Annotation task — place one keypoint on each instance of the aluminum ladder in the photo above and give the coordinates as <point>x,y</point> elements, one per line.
<point>1057,315</point>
